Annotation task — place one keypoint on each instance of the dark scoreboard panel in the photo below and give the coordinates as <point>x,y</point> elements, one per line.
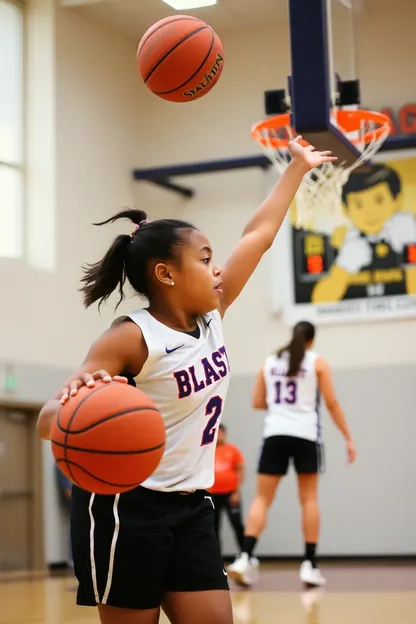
<point>313,256</point>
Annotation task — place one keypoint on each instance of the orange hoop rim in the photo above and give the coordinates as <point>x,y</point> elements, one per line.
<point>348,121</point>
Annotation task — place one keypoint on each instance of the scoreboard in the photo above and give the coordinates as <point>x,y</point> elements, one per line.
<point>313,256</point>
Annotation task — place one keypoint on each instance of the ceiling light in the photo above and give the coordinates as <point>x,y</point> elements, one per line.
<point>181,5</point>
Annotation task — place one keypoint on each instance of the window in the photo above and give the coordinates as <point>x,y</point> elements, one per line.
<point>11,130</point>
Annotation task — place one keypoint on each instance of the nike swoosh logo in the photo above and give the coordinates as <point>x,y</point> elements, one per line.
<point>225,573</point>
<point>175,349</point>
<point>208,322</point>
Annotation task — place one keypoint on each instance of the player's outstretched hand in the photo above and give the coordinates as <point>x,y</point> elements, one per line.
<point>351,452</point>
<point>308,155</point>
<point>88,379</point>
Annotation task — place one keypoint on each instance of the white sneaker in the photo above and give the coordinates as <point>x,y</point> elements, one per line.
<point>310,575</point>
<point>243,569</point>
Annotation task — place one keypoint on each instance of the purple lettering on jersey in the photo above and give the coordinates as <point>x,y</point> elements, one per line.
<point>198,385</point>
<point>218,361</point>
<point>224,352</point>
<point>281,371</point>
<point>210,374</point>
<point>187,380</point>
<point>184,384</point>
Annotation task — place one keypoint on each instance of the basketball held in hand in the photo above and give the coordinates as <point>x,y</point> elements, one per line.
<point>108,439</point>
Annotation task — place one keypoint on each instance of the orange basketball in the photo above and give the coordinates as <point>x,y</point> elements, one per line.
<point>180,58</point>
<point>108,439</point>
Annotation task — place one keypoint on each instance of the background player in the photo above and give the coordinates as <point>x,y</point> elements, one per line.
<point>229,476</point>
<point>156,545</point>
<point>289,387</point>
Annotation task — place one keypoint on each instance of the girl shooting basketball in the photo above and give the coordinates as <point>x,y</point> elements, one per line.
<point>155,546</point>
<point>289,386</point>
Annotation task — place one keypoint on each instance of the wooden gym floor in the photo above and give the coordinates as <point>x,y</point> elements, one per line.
<point>363,594</point>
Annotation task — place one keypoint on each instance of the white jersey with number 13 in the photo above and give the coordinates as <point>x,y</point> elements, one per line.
<point>292,403</point>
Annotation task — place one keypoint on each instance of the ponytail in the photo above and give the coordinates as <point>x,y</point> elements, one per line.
<point>102,278</point>
<point>303,333</point>
<point>129,256</point>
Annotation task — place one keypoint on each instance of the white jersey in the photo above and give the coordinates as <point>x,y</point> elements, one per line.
<point>187,378</point>
<point>293,403</point>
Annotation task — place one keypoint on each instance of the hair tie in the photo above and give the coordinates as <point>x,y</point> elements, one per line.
<point>137,227</point>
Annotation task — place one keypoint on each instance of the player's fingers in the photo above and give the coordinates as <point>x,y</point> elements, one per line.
<point>120,379</point>
<point>65,396</point>
<point>326,153</point>
<point>329,158</point>
<point>74,386</point>
<point>103,375</point>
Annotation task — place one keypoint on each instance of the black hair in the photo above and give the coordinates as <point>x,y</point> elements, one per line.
<point>365,179</point>
<point>222,428</point>
<point>303,332</point>
<point>129,257</point>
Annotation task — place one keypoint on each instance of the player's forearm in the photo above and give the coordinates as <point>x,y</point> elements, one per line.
<point>339,419</point>
<point>46,416</point>
<point>270,215</point>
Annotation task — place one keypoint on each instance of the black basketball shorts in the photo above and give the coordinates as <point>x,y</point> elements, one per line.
<point>131,548</point>
<point>278,451</point>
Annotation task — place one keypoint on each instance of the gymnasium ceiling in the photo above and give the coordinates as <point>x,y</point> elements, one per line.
<point>133,17</point>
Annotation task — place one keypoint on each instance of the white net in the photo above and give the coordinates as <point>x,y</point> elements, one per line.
<point>321,188</point>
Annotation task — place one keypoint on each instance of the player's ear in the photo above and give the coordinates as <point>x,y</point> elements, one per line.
<point>163,274</point>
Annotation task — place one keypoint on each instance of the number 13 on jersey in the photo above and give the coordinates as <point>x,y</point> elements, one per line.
<point>286,392</point>
<point>213,410</point>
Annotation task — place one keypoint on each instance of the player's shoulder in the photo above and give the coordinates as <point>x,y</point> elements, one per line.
<point>212,317</point>
<point>321,365</point>
<point>124,326</point>
<point>272,358</point>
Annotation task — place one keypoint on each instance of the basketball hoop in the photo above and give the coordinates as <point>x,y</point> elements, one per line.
<point>366,130</point>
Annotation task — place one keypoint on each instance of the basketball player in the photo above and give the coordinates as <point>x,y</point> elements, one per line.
<point>289,386</point>
<point>155,546</point>
<point>228,478</point>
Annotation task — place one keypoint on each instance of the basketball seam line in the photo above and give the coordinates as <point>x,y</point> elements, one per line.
<point>108,452</point>
<point>74,480</point>
<point>194,74</point>
<point>123,485</point>
<point>165,56</point>
<point>107,418</point>
<point>173,21</point>
<point>68,430</point>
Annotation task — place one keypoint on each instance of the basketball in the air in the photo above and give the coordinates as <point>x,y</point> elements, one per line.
<point>108,439</point>
<point>180,58</point>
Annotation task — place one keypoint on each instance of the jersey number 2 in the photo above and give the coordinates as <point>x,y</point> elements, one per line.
<point>213,409</point>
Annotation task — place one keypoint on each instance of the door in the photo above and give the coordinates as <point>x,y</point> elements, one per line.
<point>16,490</point>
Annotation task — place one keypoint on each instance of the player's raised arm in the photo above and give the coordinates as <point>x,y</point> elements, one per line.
<point>261,230</point>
